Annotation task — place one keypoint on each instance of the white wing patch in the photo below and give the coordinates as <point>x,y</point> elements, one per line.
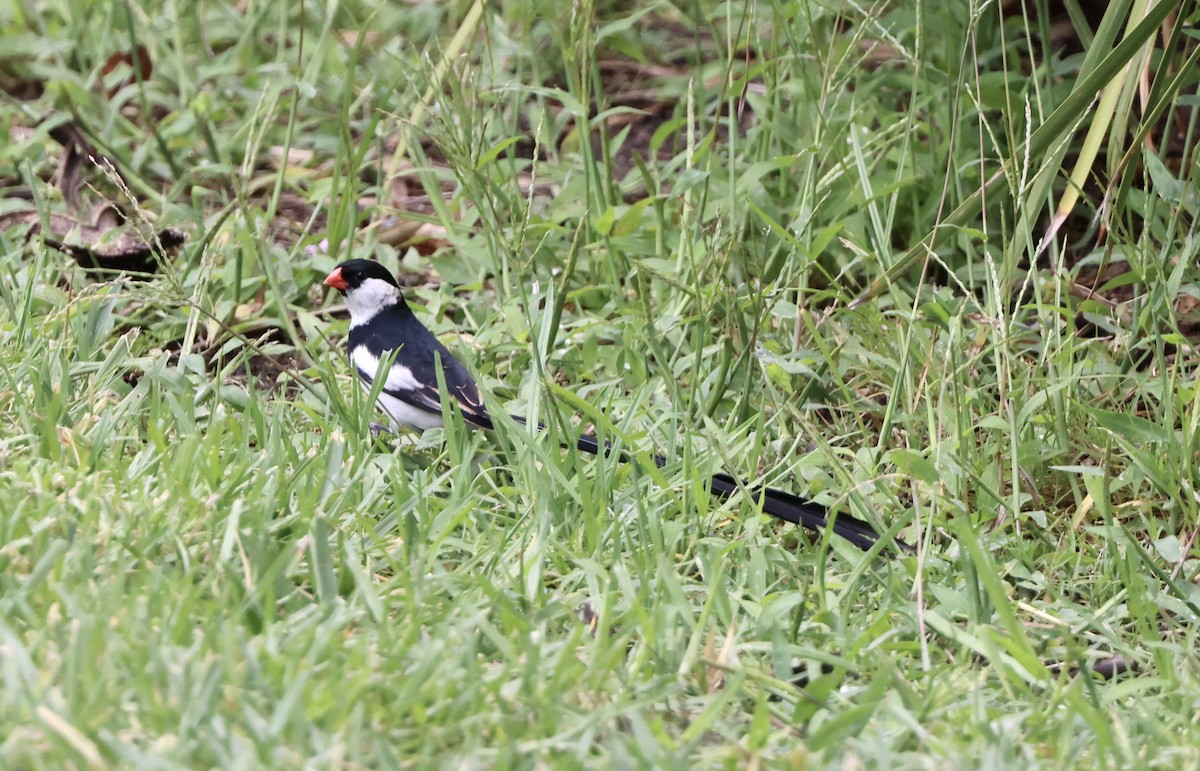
<point>399,377</point>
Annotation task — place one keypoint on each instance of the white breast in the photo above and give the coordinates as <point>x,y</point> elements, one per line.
<point>404,413</point>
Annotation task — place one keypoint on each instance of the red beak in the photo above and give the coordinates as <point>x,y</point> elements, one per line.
<point>335,280</point>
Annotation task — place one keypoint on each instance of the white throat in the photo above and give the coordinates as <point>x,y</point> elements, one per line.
<point>369,298</point>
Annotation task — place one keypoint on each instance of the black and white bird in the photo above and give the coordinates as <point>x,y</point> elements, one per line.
<point>383,328</point>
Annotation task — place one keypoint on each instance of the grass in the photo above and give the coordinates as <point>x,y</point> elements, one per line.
<point>747,237</point>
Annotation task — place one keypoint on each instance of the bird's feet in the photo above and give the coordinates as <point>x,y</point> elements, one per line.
<point>380,428</point>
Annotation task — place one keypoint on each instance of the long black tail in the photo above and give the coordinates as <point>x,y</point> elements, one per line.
<point>777,503</point>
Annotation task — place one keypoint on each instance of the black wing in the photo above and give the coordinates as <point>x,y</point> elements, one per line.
<point>412,378</point>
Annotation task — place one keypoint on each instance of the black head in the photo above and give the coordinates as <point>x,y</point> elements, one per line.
<point>351,274</point>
